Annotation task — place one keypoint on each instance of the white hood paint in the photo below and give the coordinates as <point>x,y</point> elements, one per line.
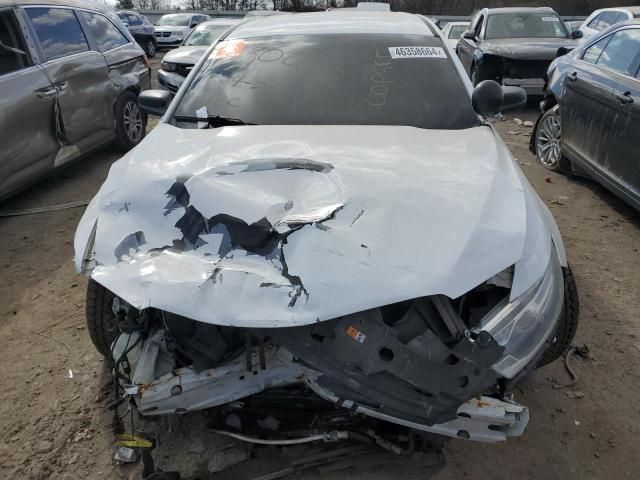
<point>389,214</point>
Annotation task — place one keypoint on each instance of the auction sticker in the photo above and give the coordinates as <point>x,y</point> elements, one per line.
<point>550,19</point>
<point>417,52</point>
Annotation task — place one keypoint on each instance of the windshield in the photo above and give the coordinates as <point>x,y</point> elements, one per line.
<point>206,34</point>
<point>457,30</point>
<point>332,80</point>
<point>180,20</point>
<point>525,25</point>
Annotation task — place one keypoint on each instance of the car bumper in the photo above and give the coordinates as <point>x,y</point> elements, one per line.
<point>169,80</point>
<point>533,86</point>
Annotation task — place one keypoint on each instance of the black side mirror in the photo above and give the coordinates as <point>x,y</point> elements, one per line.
<point>490,98</point>
<point>194,24</point>
<point>469,35</point>
<point>154,102</point>
<point>576,34</point>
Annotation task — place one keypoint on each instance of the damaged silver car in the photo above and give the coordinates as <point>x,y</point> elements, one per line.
<point>323,207</point>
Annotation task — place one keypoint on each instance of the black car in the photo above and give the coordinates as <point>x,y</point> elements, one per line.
<point>142,30</point>
<point>590,123</point>
<point>514,46</point>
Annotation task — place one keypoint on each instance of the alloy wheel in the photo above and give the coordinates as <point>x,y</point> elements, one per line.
<point>549,140</point>
<point>132,117</point>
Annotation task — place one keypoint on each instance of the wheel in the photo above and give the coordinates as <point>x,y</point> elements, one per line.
<point>548,144</point>
<point>150,48</point>
<point>568,322</point>
<point>101,321</point>
<point>131,123</point>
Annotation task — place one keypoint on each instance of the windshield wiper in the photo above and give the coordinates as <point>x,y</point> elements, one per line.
<point>214,121</point>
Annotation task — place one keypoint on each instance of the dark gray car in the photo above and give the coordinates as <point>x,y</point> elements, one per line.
<point>70,74</point>
<point>142,30</point>
<point>514,46</point>
<point>591,112</point>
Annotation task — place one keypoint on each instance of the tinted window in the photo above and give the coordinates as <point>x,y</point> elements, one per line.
<point>331,80</point>
<point>457,30</point>
<point>103,31</point>
<point>58,30</point>
<point>206,34</point>
<point>525,25</point>
<point>621,51</point>
<point>592,54</point>
<point>134,20</point>
<point>10,35</point>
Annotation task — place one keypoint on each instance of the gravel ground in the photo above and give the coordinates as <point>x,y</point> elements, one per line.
<point>56,426</point>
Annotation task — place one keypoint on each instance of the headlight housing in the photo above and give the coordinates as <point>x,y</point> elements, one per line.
<point>525,324</point>
<point>169,67</point>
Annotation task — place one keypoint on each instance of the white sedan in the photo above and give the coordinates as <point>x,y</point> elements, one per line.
<point>325,209</point>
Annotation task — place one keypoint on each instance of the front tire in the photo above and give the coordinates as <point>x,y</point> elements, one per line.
<point>131,123</point>
<point>102,324</point>
<point>567,323</point>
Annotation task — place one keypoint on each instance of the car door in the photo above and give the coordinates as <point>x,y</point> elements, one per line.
<point>28,143</point>
<point>587,106</point>
<point>81,77</point>
<point>466,46</point>
<point>622,164</point>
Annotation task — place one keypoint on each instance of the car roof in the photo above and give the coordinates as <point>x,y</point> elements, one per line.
<point>89,5</point>
<point>331,22</point>
<point>521,10</point>
<point>633,10</point>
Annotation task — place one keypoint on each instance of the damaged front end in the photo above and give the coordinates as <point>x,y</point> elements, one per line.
<point>431,364</point>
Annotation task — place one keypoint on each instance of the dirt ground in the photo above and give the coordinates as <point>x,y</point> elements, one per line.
<point>54,426</point>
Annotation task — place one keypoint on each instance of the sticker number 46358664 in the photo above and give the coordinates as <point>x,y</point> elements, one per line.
<point>417,52</point>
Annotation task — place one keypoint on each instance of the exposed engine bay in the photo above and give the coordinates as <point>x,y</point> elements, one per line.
<point>417,363</point>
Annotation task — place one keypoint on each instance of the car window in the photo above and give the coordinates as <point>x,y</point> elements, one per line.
<point>58,30</point>
<point>175,20</point>
<point>15,56</point>
<point>332,79</point>
<point>594,23</point>
<point>621,18</point>
<point>103,31</point>
<point>205,34</point>
<point>457,30</point>
<point>607,19</point>
<point>478,27</point>
<point>592,54</point>
<point>620,52</point>
<point>134,20</point>
<point>525,25</point>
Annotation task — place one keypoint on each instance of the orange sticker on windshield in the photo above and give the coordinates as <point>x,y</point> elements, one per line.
<point>228,49</point>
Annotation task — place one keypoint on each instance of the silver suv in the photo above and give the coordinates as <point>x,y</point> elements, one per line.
<point>70,74</point>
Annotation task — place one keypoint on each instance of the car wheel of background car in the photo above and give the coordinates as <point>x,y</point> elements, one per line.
<point>568,322</point>
<point>549,140</point>
<point>131,122</point>
<point>101,321</point>
<point>150,48</point>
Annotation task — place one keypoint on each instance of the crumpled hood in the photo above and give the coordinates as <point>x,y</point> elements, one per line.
<point>185,55</point>
<point>528,48</point>
<point>272,226</point>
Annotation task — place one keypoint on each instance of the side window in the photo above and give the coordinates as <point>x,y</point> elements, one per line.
<point>621,51</point>
<point>592,54</point>
<point>103,31</point>
<point>607,19</point>
<point>14,55</point>
<point>621,17</point>
<point>594,23</point>
<point>58,30</point>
